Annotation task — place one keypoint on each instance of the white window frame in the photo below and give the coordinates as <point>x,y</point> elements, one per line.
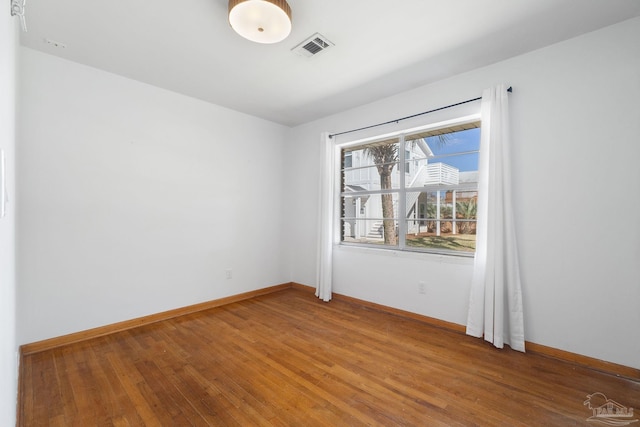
<point>401,191</point>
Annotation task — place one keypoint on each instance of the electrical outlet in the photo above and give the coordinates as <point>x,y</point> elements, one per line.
<point>228,273</point>
<point>422,288</point>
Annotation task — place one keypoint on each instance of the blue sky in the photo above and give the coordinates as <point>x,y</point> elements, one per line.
<point>466,140</point>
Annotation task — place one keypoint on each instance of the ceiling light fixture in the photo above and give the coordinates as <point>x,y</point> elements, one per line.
<point>261,21</point>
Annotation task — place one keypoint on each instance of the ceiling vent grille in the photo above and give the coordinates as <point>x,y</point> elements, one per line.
<point>313,45</point>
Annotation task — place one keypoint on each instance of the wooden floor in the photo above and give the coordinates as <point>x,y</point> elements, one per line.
<point>287,359</point>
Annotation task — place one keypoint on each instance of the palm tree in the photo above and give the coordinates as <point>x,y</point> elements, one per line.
<point>466,210</point>
<point>385,158</point>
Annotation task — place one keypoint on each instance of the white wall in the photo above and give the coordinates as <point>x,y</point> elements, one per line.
<point>8,348</point>
<point>135,200</point>
<point>576,134</point>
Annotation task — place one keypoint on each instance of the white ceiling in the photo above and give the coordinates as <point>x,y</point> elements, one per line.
<point>381,47</point>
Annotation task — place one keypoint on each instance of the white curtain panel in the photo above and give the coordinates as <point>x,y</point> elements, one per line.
<point>495,305</point>
<point>325,222</point>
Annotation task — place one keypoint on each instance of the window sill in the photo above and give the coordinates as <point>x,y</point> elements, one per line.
<point>462,259</point>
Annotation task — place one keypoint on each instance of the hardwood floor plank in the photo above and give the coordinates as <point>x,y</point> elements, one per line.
<point>122,408</point>
<point>130,378</point>
<point>289,359</point>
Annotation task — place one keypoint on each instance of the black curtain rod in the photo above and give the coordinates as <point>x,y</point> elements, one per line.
<point>412,116</point>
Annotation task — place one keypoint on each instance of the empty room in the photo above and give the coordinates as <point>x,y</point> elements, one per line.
<point>319,213</point>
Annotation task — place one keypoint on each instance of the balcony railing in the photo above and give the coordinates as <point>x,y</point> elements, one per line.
<point>442,173</point>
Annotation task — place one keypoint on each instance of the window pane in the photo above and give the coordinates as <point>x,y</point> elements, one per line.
<point>365,178</point>
<point>370,219</point>
<point>455,142</point>
<point>447,159</point>
<point>417,149</point>
<point>442,220</point>
<point>347,160</point>
<point>435,174</point>
<point>373,166</point>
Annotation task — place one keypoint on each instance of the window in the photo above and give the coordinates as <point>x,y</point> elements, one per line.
<point>407,164</point>
<point>431,207</point>
<point>348,161</point>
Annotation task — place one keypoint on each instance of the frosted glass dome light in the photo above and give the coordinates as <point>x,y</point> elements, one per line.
<point>261,21</point>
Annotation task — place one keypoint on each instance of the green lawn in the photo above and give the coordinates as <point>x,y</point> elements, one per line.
<point>451,242</point>
<point>446,241</point>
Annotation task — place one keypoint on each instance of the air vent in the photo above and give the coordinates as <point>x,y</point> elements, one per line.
<point>312,46</point>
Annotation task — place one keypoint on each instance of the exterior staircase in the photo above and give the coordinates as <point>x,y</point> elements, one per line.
<point>432,173</point>
<point>376,232</point>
